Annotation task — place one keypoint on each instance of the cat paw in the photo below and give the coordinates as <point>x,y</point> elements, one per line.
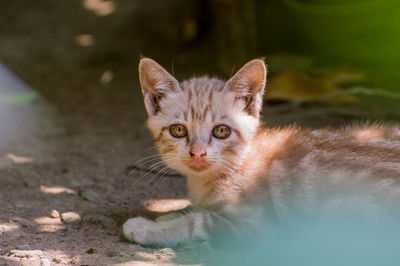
<point>138,230</point>
<point>168,217</point>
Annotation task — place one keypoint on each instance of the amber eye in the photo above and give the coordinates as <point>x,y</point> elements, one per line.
<point>178,131</point>
<point>221,132</point>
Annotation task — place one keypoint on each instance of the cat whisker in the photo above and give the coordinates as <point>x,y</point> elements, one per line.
<point>160,177</point>
<point>158,173</point>
<point>154,167</point>
<point>144,161</point>
<point>147,158</point>
<point>152,148</point>
<point>149,170</point>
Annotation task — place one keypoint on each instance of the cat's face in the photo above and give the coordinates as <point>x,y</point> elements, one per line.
<point>202,125</point>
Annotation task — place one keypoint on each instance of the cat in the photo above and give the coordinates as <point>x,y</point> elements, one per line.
<point>239,171</point>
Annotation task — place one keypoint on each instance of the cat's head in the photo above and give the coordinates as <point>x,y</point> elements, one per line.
<point>202,125</point>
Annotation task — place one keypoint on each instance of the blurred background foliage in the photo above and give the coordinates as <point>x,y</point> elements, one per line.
<point>312,47</point>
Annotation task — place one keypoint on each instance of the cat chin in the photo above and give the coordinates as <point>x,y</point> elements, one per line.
<point>189,171</point>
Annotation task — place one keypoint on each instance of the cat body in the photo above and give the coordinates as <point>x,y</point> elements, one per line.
<point>241,172</point>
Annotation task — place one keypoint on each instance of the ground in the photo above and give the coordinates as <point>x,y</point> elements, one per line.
<point>66,148</point>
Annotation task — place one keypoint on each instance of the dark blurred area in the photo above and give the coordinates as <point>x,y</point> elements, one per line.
<point>67,48</point>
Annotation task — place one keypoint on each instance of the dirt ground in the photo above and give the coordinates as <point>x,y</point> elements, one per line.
<point>64,193</point>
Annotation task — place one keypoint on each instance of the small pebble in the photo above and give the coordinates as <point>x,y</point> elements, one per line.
<point>70,217</point>
<point>56,260</point>
<point>90,251</point>
<point>54,214</point>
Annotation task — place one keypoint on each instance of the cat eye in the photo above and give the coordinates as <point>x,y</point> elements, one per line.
<point>221,132</point>
<point>178,131</point>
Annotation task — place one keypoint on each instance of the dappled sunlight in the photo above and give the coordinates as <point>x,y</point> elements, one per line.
<point>49,225</point>
<point>28,255</point>
<point>19,159</point>
<point>35,257</point>
<point>107,77</point>
<point>100,7</point>
<point>56,190</point>
<point>85,40</point>
<point>7,227</point>
<point>166,205</point>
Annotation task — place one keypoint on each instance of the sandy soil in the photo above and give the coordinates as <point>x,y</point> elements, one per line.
<point>66,151</point>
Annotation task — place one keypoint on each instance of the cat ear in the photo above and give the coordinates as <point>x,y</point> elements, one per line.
<point>156,82</point>
<point>248,84</point>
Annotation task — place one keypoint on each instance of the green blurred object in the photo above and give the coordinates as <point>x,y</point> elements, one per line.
<point>18,98</point>
<point>364,32</point>
<point>13,91</point>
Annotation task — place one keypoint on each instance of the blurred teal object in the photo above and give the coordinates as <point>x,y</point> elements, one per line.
<point>341,240</point>
<point>365,32</point>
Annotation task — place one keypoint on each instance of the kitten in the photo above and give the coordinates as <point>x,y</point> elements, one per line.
<point>239,171</point>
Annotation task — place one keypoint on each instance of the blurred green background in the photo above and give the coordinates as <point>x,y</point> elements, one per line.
<point>48,42</point>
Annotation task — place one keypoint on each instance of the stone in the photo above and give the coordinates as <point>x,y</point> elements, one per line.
<point>54,214</point>
<point>70,217</point>
<point>90,251</point>
<point>56,260</point>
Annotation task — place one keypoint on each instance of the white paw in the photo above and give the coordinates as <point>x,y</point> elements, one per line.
<point>139,230</point>
<point>168,217</point>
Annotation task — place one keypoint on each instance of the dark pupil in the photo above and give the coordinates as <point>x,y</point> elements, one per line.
<point>222,130</point>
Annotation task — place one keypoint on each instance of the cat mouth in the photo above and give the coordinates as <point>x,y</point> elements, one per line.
<point>198,165</point>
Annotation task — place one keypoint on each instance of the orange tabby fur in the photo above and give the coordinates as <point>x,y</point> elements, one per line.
<point>255,169</point>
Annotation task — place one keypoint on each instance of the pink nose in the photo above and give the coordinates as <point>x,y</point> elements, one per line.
<point>198,150</point>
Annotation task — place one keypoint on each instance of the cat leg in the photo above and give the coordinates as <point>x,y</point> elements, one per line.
<point>194,225</point>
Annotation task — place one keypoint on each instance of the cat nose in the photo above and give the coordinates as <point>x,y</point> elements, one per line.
<point>198,150</point>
